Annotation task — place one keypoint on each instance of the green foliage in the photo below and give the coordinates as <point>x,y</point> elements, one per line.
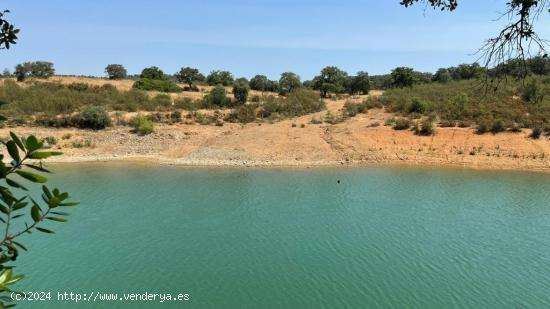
<point>162,85</point>
<point>351,109</point>
<point>260,83</point>
<point>358,84</point>
<point>243,114</point>
<point>331,79</point>
<point>288,82</point>
<point>188,104</point>
<point>402,124</point>
<point>403,77</point>
<point>465,102</point>
<point>224,78</point>
<point>497,126</point>
<point>38,69</point>
<point>8,32</point>
<point>537,132</point>
<point>443,76</point>
<point>142,125</point>
<point>189,76</point>
<point>23,215</point>
<point>426,128</point>
<point>300,102</point>
<point>418,106</point>
<point>532,91</point>
<point>217,98</point>
<point>152,73</point>
<point>93,117</point>
<point>116,71</point>
<point>240,90</point>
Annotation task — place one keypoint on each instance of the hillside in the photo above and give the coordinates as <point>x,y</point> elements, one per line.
<point>359,140</point>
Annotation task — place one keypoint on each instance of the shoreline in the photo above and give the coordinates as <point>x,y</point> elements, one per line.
<point>159,161</point>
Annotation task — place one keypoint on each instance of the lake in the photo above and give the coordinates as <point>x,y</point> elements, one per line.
<point>296,238</point>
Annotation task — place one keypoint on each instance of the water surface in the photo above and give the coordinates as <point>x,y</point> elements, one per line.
<point>296,238</point>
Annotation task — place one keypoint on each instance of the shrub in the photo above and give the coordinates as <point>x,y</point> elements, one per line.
<point>82,143</point>
<point>161,100</point>
<point>217,98</point>
<point>78,86</point>
<point>332,119</point>
<point>240,90</point>
<point>482,127</point>
<point>242,114</point>
<point>426,128</point>
<point>351,109</point>
<point>536,133</point>
<point>188,104</point>
<point>142,125</point>
<point>300,102</point>
<point>156,85</point>
<point>402,124</point>
<point>417,106</point>
<point>93,117</point>
<point>498,126</point>
<point>532,92</point>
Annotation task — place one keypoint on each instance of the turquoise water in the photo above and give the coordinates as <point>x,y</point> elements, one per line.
<point>286,238</point>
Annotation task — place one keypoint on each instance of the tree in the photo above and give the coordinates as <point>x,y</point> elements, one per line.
<point>288,82</point>
<point>153,73</point>
<point>443,76</point>
<point>359,83</point>
<point>217,97</point>
<point>331,79</point>
<point>403,77</point>
<point>116,71</point>
<point>240,90</point>
<point>6,73</point>
<point>189,76</point>
<point>224,78</point>
<point>516,39</point>
<point>38,69</point>
<point>8,33</point>
<point>259,83</point>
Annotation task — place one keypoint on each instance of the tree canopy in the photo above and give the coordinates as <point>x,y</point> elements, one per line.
<point>189,76</point>
<point>116,71</point>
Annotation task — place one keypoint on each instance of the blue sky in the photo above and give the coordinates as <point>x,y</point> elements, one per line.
<point>248,37</point>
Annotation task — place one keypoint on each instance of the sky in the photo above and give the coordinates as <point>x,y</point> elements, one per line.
<point>249,37</point>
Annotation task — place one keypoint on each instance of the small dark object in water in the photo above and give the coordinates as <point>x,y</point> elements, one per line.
<point>338,181</point>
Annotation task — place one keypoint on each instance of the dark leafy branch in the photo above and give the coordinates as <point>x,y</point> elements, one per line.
<point>8,32</point>
<point>20,151</point>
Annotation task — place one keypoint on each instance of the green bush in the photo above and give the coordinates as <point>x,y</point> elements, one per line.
<point>188,104</point>
<point>426,128</point>
<point>536,133</point>
<point>498,126</point>
<point>402,124</point>
<point>351,109</point>
<point>532,92</point>
<point>240,90</point>
<point>148,84</point>
<point>142,125</point>
<point>482,127</point>
<point>243,114</point>
<point>217,98</point>
<point>93,117</point>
